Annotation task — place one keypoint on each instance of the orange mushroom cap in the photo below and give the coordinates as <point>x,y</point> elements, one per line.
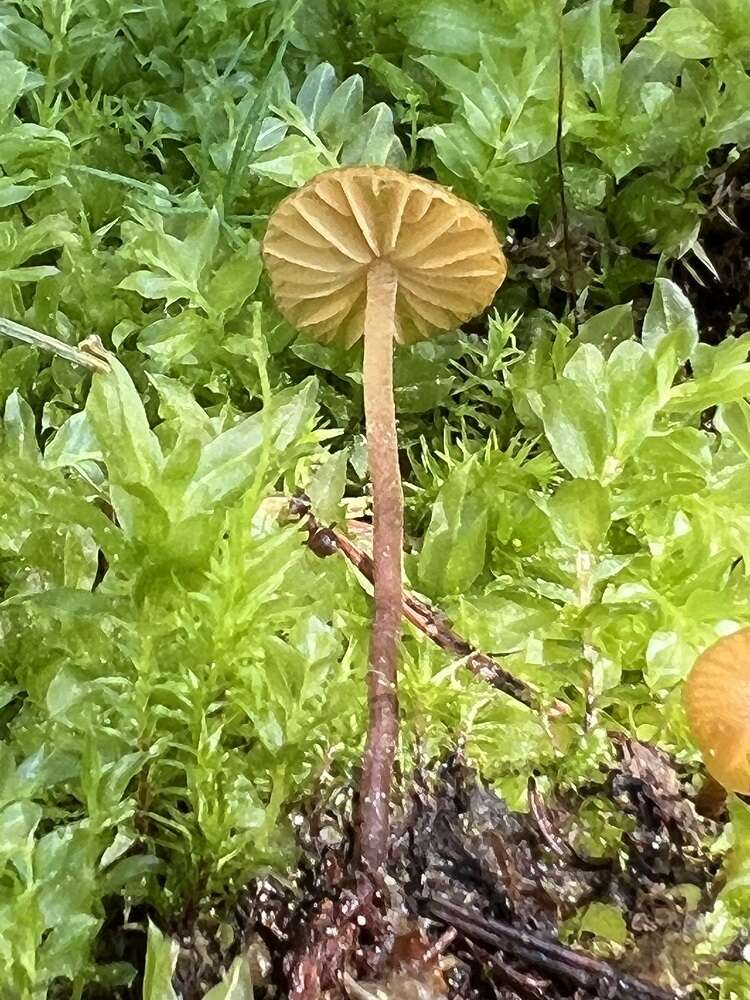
<point>322,239</point>
<point>717,702</point>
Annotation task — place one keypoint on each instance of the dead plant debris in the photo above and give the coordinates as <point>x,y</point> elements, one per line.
<point>476,898</point>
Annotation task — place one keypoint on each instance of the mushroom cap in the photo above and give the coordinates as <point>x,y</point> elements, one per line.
<point>322,239</point>
<point>717,702</point>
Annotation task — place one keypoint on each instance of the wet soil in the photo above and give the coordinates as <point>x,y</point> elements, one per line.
<point>720,293</point>
<point>480,901</point>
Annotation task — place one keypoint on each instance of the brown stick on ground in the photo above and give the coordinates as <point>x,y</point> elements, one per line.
<point>324,541</point>
<point>388,503</point>
<point>549,957</point>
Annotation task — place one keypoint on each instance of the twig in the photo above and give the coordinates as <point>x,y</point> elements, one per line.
<point>438,947</point>
<point>434,625</point>
<point>45,343</point>
<point>548,957</point>
<point>548,835</point>
<point>325,541</point>
<point>558,845</point>
<point>525,986</point>
<point>561,182</point>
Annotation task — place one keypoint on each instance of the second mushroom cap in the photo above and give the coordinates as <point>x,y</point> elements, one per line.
<point>717,702</point>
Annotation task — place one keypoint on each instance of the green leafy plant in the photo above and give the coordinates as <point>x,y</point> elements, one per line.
<point>178,673</point>
<point>119,674</point>
<point>623,118</point>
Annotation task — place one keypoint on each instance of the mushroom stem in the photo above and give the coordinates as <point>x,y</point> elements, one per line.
<point>382,450</point>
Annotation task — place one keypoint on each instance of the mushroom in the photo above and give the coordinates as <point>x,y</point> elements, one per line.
<point>375,252</point>
<point>717,703</point>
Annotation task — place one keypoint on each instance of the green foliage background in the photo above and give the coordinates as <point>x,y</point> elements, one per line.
<point>178,674</point>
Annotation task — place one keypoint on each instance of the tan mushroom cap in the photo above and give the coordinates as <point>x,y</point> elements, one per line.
<point>717,703</point>
<point>322,239</point>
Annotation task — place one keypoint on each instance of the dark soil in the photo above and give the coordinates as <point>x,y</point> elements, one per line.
<point>549,270</point>
<point>475,899</point>
<point>722,300</point>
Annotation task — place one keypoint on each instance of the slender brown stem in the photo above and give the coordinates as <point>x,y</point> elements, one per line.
<point>382,450</point>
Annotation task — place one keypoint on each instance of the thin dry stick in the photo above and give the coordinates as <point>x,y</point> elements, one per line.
<point>434,625</point>
<point>382,450</point>
<point>525,986</point>
<point>558,845</point>
<point>547,956</point>
<point>326,541</point>
<point>45,343</point>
